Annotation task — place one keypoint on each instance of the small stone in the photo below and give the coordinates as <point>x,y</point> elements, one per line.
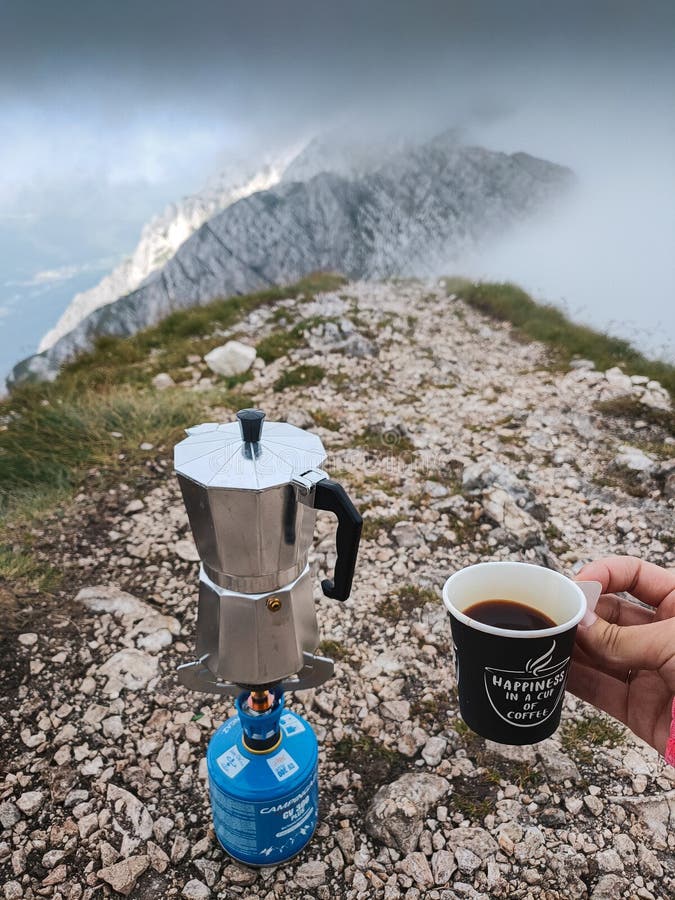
<point>158,858</point>
<point>232,358</point>
<point>187,550</point>
<point>196,890</point>
<point>467,861</point>
<point>406,535</point>
<point>649,863</point>
<point>87,825</point>
<point>415,866</point>
<point>30,802</point>
<point>573,805</point>
<point>609,861</point>
<point>433,750</point>
<point>56,876</point>
<point>129,668</point>
<point>162,381</point>
<point>112,727</point>
<point>146,446</point>
<point>634,459</point>
<point>609,887</point>
<point>238,874</point>
<point>180,847</point>
<point>443,866</point>
<point>397,710</point>
<point>133,506</point>
<point>51,858</point>
<point>311,875</point>
<point>13,890</point>
<point>593,804</point>
<point>28,639</point>
<point>9,814</point>
<point>166,758</point>
<point>397,812</point>
<point>122,876</point>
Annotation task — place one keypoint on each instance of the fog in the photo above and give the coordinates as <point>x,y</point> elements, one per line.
<point>108,112</point>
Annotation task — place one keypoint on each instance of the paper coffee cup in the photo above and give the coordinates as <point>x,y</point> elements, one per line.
<point>511,684</point>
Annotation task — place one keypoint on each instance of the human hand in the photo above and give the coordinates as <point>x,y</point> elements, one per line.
<point>624,659</point>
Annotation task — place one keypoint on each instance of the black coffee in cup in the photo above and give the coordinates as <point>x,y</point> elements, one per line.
<point>512,655</point>
<point>509,614</point>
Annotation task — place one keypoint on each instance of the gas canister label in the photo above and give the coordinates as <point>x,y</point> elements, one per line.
<point>232,762</point>
<point>291,725</point>
<point>282,765</point>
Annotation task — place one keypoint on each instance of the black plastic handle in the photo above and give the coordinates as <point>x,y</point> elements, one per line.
<point>331,496</point>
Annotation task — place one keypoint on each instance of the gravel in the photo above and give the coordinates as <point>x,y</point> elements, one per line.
<point>103,789</point>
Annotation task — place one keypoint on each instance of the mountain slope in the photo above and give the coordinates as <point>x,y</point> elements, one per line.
<point>162,236</point>
<point>415,214</point>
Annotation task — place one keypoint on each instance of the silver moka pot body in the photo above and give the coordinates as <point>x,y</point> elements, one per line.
<point>251,490</point>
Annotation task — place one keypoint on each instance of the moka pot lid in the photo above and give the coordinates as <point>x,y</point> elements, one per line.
<point>249,454</point>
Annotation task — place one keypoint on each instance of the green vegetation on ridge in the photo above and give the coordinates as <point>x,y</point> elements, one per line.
<point>544,322</point>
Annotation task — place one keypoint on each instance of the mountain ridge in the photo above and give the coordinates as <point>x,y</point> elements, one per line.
<point>421,208</point>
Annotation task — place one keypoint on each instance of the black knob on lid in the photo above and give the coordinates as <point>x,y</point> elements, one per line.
<point>251,423</point>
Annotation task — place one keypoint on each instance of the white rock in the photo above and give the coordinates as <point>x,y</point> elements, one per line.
<point>416,866</point>
<point>122,876</point>
<point>9,814</point>
<point>634,459</point>
<point>112,727</point>
<point>467,860</point>
<point>311,874</point>
<point>133,506</point>
<point>28,639</point>
<point>187,550</point>
<point>196,890</point>
<point>131,669</point>
<point>398,810</point>
<point>232,358</point>
<point>433,750</point>
<point>397,710</point>
<point>124,802</point>
<point>30,802</point>
<point>443,866</point>
<point>156,641</point>
<point>166,758</point>
<point>162,381</point>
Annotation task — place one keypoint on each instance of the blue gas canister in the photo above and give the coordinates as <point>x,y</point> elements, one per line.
<point>263,783</point>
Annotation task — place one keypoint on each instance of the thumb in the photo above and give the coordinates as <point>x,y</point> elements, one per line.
<point>649,646</point>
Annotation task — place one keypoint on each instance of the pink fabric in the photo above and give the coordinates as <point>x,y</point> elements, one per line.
<point>670,746</point>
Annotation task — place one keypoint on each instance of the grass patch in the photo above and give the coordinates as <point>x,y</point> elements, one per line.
<point>543,322</point>
<point>166,346</point>
<point>432,711</point>
<point>386,442</point>
<point>631,410</point>
<point>333,649</point>
<point>594,730</point>
<point>53,437</point>
<point>22,569</point>
<point>375,763</point>
<point>373,525</point>
<point>474,797</point>
<point>301,376</point>
<point>404,601</point>
<point>52,434</point>
<point>325,420</point>
<point>280,343</point>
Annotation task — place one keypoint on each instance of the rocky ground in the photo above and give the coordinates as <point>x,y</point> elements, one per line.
<point>459,443</point>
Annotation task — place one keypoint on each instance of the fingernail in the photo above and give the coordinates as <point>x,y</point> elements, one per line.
<point>588,619</point>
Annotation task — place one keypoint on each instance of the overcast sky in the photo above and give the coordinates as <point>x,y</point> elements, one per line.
<point>108,110</point>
